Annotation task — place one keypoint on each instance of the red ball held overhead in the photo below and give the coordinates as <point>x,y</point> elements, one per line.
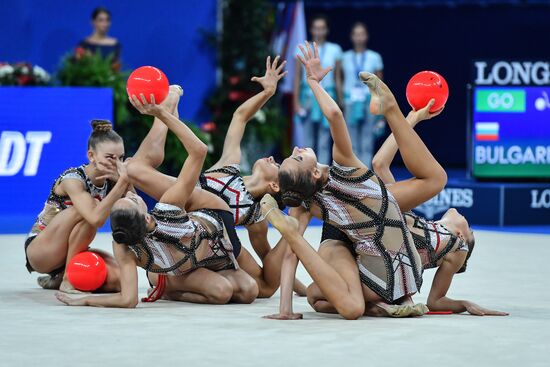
<point>424,86</point>
<point>87,271</point>
<point>148,80</point>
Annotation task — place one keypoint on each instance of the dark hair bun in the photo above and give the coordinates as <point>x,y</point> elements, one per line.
<point>101,126</point>
<point>128,226</point>
<point>121,236</point>
<point>279,198</point>
<point>292,199</point>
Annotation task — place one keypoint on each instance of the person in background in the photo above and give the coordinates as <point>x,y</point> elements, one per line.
<point>362,124</point>
<point>99,40</point>
<point>312,125</point>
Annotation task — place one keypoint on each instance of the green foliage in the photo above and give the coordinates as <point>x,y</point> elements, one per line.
<point>93,70</point>
<point>242,48</point>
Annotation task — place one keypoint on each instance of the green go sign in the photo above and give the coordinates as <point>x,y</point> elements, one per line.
<point>500,100</point>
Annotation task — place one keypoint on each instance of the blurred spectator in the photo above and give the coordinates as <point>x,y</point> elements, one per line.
<point>99,40</point>
<point>362,124</point>
<point>309,120</point>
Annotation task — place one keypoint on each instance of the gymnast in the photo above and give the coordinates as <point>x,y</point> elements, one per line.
<point>78,204</point>
<point>445,244</point>
<point>188,251</point>
<point>381,270</point>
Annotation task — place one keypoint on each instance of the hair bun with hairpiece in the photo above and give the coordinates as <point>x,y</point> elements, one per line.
<point>101,125</point>
<point>292,198</point>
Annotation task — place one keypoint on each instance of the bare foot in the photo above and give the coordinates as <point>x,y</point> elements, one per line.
<point>382,98</point>
<point>279,220</point>
<point>67,287</point>
<point>49,282</point>
<point>280,316</point>
<point>173,98</point>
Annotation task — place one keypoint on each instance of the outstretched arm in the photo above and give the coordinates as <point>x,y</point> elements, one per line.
<point>383,158</point>
<point>179,193</point>
<point>232,146</point>
<point>342,149</point>
<point>437,299</point>
<point>128,295</point>
<point>288,270</point>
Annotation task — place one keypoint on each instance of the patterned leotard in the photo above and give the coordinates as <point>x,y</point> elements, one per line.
<point>232,190</point>
<point>182,242</point>
<point>357,203</point>
<point>57,203</point>
<point>433,240</point>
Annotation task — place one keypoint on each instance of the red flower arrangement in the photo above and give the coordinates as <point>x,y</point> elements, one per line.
<point>23,74</point>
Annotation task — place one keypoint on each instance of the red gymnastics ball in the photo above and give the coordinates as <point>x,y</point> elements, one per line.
<point>148,80</point>
<point>87,271</point>
<point>424,86</point>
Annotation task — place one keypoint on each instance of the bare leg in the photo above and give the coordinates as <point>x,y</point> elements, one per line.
<point>268,278</point>
<point>430,177</point>
<point>79,240</point>
<point>332,251</point>
<point>318,301</point>
<point>207,286</point>
<point>151,149</point>
<point>199,286</point>
<point>342,288</point>
<point>245,289</point>
<point>48,251</point>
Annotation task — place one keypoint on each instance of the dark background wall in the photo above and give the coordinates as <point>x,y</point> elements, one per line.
<point>166,34</point>
<point>424,35</point>
<point>444,39</point>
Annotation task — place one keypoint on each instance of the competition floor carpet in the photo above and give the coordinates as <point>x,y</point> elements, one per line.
<point>508,271</point>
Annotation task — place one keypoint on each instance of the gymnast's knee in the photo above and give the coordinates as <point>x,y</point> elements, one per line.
<point>247,292</point>
<point>350,309</point>
<point>220,293</point>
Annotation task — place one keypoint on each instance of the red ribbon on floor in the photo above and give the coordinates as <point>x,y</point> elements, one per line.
<point>158,291</point>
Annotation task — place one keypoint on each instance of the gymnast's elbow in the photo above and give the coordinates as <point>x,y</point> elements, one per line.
<point>129,302</point>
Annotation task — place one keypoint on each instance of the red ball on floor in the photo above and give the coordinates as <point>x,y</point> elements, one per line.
<point>87,271</point>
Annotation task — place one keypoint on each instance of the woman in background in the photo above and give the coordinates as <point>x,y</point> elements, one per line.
<point>99,40</point>
<point>312,129</point>
<point>362,124</point>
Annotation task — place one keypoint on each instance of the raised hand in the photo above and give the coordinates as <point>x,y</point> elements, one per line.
<point>108,170</point>
<point>273,74</point>
<point>312,63</point>
<point>477,310</point>
<point>422,114</point>
<point>144,107</point>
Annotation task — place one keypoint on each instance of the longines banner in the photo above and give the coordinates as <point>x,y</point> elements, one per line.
<point>493,204</point>
<point>510,117</point>
<point>43,131</point>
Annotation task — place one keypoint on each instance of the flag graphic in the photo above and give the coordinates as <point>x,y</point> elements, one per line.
<point>487,131</point>
<point>290,30</point>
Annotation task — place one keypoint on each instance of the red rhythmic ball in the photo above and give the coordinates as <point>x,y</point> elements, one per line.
<point>424,86</point>
<point>87,271</point>
<point>148,80</point>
